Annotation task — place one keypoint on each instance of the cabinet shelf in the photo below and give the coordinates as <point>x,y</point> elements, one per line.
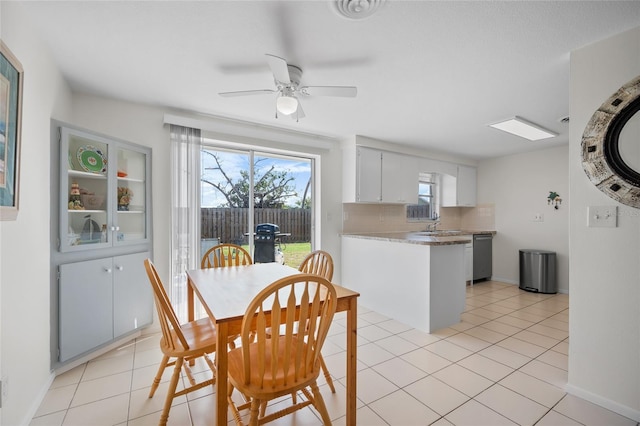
<point>87,211</point>
<point>87,175</point>
<point>128,179</point>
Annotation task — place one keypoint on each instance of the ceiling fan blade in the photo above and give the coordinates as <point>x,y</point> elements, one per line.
<point>343,91</point>
<point>247,93</point>
<point>299,113</point>
<point>279,68</point>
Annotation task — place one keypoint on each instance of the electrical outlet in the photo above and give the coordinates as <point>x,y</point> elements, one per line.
<point>538,217</point>
<point>602,216</point>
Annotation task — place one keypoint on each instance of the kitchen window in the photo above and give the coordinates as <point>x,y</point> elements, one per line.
<point>428,206</point>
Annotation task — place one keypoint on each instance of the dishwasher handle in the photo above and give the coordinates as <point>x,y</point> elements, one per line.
<point>482,237</point>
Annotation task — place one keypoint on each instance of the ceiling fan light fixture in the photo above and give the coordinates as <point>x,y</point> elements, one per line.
<point>287,105</point>
<point>357,9</point>
<point>523,128</point>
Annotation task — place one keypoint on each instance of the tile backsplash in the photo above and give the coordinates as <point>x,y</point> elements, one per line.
<point>357,217</point>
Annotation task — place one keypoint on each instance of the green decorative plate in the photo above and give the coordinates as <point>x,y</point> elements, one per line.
<point>92,160</point>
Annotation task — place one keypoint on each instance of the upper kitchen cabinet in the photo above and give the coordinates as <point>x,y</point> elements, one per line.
<point>104,191</point>
<point>459,190</point>
<point>380,177</point>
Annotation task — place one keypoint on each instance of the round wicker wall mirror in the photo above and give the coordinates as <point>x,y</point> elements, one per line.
<point>611,146</point>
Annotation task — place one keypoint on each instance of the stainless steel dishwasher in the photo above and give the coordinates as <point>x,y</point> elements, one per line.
<point>482,256</point>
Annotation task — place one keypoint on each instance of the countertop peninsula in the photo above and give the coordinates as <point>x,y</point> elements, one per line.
<point>437,238</point>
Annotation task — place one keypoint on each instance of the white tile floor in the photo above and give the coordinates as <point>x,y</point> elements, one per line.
<point>504,364</point>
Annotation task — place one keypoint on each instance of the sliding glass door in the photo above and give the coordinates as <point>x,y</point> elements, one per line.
<point>241,189</point>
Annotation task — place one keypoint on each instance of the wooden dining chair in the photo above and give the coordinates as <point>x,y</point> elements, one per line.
<point>320,262</point>
<point>179,343</point>
<point>224,255</point>
<point>266,367</point>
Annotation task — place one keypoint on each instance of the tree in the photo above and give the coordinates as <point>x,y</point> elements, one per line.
<point>271,189</point>
<point>305,201</point>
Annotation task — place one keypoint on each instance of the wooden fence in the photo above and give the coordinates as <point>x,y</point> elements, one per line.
<point>229,225</point>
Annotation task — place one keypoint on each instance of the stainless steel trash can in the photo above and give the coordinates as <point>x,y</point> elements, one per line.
<point>538,271</point>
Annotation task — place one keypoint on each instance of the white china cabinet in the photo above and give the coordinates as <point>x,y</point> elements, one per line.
<point>102,234</point>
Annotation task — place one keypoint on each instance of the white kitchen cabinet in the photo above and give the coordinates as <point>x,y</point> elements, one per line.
<point>400,178</point>
<point>101,234</point>
<point>468,259</point>
<point>368,175</point>
<point>460,190</point>
<point>385,177</point>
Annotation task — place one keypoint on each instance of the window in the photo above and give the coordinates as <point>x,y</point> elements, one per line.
<point>428,206</point>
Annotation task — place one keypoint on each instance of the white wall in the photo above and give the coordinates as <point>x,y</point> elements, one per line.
<point>604,355</point>
<point>24,243</point>
<point>518,186</point>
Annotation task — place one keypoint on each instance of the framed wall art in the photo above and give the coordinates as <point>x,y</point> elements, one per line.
<point>11,77</point>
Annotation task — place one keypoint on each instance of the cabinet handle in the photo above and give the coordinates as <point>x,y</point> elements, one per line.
<point>107,270</point>
<point>120,268</point>
<point>113,228</point>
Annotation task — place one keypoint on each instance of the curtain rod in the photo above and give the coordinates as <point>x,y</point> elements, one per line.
<point>250,129</point>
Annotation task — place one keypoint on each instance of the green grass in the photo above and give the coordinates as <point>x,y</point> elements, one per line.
<point>294,253</point>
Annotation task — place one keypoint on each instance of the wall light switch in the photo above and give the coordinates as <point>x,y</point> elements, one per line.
<point>602,216</point>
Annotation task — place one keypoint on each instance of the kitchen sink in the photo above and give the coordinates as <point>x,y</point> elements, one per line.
<point>443,232</point>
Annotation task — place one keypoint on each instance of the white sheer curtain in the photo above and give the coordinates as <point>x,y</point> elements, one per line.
<point>185,212</point>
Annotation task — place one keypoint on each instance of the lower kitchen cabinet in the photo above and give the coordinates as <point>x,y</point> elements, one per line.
<point>101,300</point>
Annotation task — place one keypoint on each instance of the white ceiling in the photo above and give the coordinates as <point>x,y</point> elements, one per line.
<point>431,74</point>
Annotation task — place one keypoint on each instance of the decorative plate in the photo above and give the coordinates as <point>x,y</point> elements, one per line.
<point>91,159</point>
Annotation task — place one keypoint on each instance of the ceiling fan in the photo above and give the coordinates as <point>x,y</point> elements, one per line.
<point>287,81</point>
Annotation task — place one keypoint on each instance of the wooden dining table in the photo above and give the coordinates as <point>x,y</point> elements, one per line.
<point>225,294</point>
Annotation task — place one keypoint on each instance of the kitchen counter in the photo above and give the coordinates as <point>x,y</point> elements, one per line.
<point>430,238</point>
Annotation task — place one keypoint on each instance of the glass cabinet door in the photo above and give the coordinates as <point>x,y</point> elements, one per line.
<point>104,188</point>
<point>84,217</point>
<point>131,195</point>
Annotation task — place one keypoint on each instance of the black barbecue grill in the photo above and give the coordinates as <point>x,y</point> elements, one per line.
<point>267,234</point>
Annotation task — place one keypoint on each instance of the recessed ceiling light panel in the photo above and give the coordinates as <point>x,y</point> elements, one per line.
<point>523,128</point>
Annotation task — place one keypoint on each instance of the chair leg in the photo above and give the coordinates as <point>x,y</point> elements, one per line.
<point>156,381</point>
<point>255,408</point>
<point>320,405</point>
<point>171,391</point>
<point>327,376</point>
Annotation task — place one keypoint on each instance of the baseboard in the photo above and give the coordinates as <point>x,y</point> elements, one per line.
<point>504,280</point>
<point>33,409</point>
<point>103,350</point>
<point>617,408</point>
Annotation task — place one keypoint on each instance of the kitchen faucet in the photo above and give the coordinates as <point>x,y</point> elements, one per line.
<point>431,226</point>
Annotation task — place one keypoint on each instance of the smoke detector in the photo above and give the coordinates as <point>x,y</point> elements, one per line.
<point>357,9</point>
